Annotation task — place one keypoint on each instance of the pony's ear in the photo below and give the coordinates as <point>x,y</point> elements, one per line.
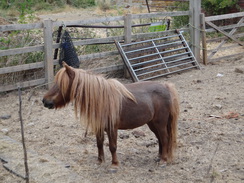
<point>69,70</point>
<point>64,63</point>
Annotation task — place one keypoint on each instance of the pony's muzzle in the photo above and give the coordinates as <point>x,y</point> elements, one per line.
<point>48,104</point>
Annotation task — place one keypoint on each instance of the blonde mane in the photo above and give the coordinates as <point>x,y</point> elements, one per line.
<point>97,100</point>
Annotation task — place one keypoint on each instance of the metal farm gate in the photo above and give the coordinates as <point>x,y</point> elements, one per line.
<point>157,57</point>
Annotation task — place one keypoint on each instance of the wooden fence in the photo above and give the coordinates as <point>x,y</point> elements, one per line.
<point>228,32</point>
<point>48,47</point>
<point>48,26</point>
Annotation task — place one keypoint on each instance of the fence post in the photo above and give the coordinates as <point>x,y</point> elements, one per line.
<point>128,28</point>
<point>127,34</point>
<point>48,52</point>
<point>204,46</point>
<point>194,20</point>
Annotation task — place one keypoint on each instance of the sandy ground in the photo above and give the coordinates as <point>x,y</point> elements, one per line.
<point>210,141</point>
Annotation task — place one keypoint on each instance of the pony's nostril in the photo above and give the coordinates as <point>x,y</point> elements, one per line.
<point>48,104</point>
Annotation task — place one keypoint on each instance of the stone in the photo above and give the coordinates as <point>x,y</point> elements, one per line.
<point>218,106</point>
<point>124,136</point>
<point>5,131</point>
<point>138,133</point>
<point>7,116</point>
<point>239,70</point>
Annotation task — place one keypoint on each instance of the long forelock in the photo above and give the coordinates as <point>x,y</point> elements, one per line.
<point>97,100</point>
<point>62,79</point>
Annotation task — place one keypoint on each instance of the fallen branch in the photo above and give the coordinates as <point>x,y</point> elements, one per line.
<point>23,138</point>
<point>211,162</point>
<point>15,173</point>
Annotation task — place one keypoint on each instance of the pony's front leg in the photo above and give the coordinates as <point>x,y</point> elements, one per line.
<point>100,140</point>
<point>112,137</point>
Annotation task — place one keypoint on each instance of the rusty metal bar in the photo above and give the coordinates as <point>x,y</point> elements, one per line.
<point>161,69</point>
<point>172,72</point>
<point>159,45</point>
<point>155,39</point>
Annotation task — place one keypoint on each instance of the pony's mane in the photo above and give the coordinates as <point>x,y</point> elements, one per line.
<point>97,100</point>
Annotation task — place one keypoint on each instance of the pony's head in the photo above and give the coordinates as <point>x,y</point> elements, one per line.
<point>59,95</point>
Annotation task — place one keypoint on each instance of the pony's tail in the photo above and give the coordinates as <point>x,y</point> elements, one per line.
<point>172,121</point>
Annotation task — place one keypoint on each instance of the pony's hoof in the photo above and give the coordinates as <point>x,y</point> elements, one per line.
<point>157,159</point>
<point>162,164</point>
<point>100,161</point>
<point>113,169</point>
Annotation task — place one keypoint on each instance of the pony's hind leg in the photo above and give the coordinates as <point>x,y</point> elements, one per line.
<point>100,140</point>
<point>159,125</point>
<point>155,131</point>
<point>163,136</point>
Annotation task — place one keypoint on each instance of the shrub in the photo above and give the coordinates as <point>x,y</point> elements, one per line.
<point>218,7</point>
<point>83,3</point>
<point>181,21</point>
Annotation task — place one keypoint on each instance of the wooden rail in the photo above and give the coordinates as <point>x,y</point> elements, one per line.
<point>227,35</point>
<point>225,16</point>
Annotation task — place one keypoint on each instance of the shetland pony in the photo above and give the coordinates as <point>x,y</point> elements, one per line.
<point>106,105</point>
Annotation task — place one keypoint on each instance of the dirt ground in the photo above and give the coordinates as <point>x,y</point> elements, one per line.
<point>210,140</point>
